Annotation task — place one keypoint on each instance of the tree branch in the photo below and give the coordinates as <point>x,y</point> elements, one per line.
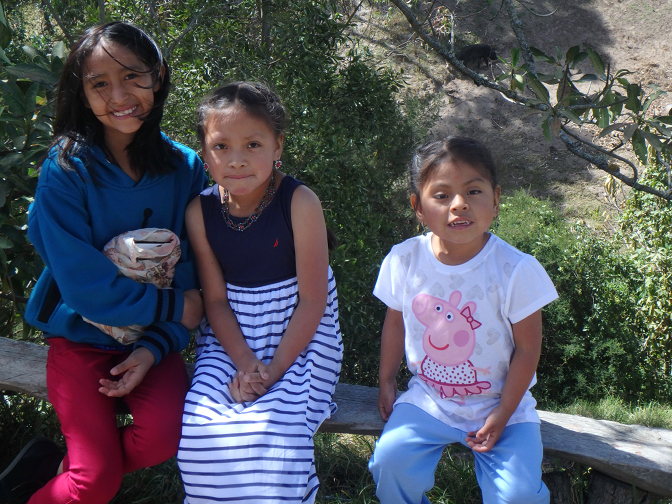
<point>604,151</point>
<point>190,27</point>
<point>517,27</point>
<point>59,22</point>
<point>155,16</point>
<point>446,53</point>
<point>601,162</point>
<point>101,10</point>
<point>12,297</point>
<point>535,13</point>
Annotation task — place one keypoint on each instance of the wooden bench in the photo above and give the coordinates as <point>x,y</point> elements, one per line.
<point>635,455</point>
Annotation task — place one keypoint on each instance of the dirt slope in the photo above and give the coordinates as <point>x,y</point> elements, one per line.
<point>632,34</point>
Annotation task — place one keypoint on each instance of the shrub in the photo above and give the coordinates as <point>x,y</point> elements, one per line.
<point>646,236</point>
<point>592,341</point>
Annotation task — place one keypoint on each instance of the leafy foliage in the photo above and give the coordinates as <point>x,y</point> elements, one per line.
<point>26,111</point>
<point>593,337</point>
<point>646,231</point>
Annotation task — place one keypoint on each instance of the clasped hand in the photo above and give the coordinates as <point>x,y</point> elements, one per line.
<point>251,382</point>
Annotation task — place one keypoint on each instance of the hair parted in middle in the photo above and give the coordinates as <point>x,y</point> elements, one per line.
<point>253,97</point>
<point>451,149</point>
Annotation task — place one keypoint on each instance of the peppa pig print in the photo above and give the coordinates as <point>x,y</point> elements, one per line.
<point>449,340</point>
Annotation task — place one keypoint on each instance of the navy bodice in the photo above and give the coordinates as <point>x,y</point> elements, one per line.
<point>262,254</point>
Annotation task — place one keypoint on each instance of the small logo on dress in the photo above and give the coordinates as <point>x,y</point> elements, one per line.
<point>276,243</point>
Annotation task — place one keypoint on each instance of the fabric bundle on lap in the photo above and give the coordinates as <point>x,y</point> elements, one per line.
<point>145,255</point>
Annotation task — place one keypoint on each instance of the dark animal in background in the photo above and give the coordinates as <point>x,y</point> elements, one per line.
<point>477,53</point>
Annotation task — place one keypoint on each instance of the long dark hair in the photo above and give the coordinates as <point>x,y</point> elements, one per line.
<point>76,126</point>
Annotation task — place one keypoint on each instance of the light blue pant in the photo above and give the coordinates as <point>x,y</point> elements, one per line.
<point>409,449</point>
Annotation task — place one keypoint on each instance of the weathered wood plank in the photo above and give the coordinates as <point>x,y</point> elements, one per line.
<point>637,455</point>
<point>23,367</point>
<point>634,454</point>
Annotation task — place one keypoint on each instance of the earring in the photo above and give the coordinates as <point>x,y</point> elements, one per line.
<point>277,164</point>
<point>205,166</point>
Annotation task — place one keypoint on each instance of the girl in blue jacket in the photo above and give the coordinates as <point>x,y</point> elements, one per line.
<point>110,170</point>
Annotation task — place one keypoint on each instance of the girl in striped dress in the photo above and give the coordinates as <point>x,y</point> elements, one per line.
<point>269,350</point>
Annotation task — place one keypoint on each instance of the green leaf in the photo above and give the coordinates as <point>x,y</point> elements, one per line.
<point>58,51</point>
<point>12,159</point>
<point>572,53</point>
<point>538,54</point>
<point>4,58</point>
<point>31,96</point>
<point>546,129</point>
<point>34,73</point>
<point>664,119</point>
<point>5,243</point>
<point>5,30</point>
<point>515,56</point>
<point>629,131</point>
<point>652,139</point>
<point>19,142</point>
<point>613,127</point>
<point>650,99</point>
<point>634,103</point>
<point>4,191</point>
<point>571,116</point>
<point>538,88</point>
<point>596,60</point>
<point>587,78</point>
<point>578,59</point>
<point>34,54</point>
<point>602,117</point>
<point>639,146</point>
<point>15,106</point>
<point>5,35</point>
<point>10,87</point>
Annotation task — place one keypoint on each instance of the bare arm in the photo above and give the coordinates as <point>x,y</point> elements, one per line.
<point>312,263</point>
<point>527,338</point>
<point>213,285</point>
<point>391,353</point>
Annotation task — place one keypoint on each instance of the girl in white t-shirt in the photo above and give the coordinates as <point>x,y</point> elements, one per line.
<point>465,307</point>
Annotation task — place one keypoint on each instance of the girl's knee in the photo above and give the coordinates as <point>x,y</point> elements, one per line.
<point>94,487</point>
<point>157,448</point>
<point>532,493</point>
<point>518,492</point>
<point>389,456</point>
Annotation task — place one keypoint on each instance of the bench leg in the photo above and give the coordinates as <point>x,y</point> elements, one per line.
<point>560,486</point>
<point>603,489</point>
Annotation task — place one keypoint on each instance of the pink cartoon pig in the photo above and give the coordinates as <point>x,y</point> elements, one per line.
<point>449,340</point>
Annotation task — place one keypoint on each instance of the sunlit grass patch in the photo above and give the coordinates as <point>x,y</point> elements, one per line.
<point>651,414</point>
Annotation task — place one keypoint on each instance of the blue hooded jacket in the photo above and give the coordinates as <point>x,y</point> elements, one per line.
<point>74,215</point>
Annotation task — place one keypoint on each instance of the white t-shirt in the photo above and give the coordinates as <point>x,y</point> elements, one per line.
<point>458,321</point>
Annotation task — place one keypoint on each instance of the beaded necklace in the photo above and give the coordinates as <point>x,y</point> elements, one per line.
<point>242,226</point>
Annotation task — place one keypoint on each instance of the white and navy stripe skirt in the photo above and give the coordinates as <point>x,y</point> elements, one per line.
<point>259,451</point>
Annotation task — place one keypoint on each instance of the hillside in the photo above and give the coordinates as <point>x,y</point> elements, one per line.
<point>631,34</point>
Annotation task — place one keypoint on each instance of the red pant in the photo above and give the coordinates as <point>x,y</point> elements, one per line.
<point>100,453</point>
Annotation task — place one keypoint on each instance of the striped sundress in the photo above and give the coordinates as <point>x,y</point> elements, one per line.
<point>259,451</point>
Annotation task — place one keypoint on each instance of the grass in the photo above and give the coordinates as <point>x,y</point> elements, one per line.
<point>341,459</point>
<point>652,414</point>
